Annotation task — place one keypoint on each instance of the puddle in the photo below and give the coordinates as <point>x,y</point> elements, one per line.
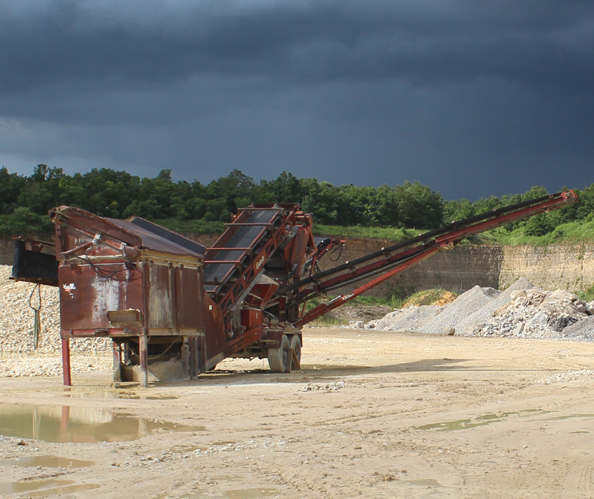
<point>47,462</point>
<point>465,424</point>
<point>78,424</point>
<point>45,487</point>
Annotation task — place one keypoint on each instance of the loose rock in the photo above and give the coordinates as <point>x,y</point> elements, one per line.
<point>20,358</point>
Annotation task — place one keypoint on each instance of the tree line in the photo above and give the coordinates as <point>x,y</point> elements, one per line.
<point>25,200</point>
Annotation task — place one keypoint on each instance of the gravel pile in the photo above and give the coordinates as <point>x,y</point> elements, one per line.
<point>534,313</point>
<point>16,330</point>
<point>466,304</point>
<point>483,315</point>
<point>582,330</point>
<point>521,311</point>
<point>52,366</point>
<point>406,319</point>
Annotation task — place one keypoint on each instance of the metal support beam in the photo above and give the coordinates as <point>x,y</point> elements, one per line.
<point>66,362</point>
<point>117,361</point>
<point>143,351</point>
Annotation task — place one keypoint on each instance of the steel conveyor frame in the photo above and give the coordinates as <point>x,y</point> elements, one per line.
<point>399,257</point>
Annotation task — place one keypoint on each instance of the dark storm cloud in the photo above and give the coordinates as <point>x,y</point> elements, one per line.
<point>539,42</point>
<point>468,97</point>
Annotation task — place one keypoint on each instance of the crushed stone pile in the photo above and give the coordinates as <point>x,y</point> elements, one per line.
<point>483,315</point>
<point>534,313</point>
<point>466,304</point>
<point>16,322</point>
<point>522,311</point>
<point>404,320</point>
<point>582,330</point>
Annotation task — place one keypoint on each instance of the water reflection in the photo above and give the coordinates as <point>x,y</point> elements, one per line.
<point>78,424</point>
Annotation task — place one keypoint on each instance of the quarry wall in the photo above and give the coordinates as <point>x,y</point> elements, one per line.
<point>550,267</point>
<point>569,267</point>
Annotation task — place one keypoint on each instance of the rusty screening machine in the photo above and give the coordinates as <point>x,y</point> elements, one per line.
<point>175,308</point>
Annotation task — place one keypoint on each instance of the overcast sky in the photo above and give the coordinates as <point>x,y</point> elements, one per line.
<point>471,98</point>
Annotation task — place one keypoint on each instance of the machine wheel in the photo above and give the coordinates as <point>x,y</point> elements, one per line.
<point>295,352</point>
<point>279,359</point>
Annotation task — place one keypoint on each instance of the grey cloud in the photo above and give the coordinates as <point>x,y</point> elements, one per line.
<point>471,98</point>
<point>302,41</point>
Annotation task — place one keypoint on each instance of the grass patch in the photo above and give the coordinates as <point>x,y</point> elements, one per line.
<point>394,301</point>
<point>397,299</point>
<point>325,321</point>
<point>389,233</point>
<point>430,297</point>
<point>569,233</point>
<point>587,295</point>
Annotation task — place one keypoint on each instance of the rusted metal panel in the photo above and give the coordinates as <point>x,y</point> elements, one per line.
<point>81,222</point>
<point>86,297</point>
<point>189,298</point>
<point>160,300</point>
<point>214,327</point>
<point>155,242</point>
<point>252,317</point>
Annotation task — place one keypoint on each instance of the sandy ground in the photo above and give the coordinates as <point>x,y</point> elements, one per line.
<point>371,415</point>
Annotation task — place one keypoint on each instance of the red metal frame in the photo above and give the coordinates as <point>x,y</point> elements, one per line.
<point>273,231</point>
<point>163,284</point>
<point>416,254</point>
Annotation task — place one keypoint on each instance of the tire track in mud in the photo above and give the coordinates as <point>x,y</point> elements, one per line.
<point>578,481</point>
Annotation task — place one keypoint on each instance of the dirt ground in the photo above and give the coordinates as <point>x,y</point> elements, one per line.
<point>370,415</point>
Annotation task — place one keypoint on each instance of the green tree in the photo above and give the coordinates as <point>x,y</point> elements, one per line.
<point>418,206</point>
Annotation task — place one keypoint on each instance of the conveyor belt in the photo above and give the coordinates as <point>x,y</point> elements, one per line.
<point>241,252</point>
<point>244,237</point>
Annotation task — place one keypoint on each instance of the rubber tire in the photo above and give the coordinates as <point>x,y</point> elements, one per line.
<point>296,347</point>
<point>279,359</point>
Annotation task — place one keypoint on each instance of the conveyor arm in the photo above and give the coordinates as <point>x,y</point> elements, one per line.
<point>397,258</point>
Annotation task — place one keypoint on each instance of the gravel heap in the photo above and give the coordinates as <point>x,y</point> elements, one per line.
<point>466,304</point>
<point>16,325</point>
<point>406,319</point>
<point>483,315</point>
<point>520,311</point>
<point>534,313</point>
<point>35,365</point>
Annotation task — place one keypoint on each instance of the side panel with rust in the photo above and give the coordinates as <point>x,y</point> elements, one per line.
<point>86,296</point>
<point>216,342</point>
<point>189,292</point>
<point>160,297</point>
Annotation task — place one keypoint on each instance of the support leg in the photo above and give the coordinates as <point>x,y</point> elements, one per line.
<point>117,362</point>
<point>143,347</point>
<point>66,361</point>
<point>200,355</point>
<point>185,358</point>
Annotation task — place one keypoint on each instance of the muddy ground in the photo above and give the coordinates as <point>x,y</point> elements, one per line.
<point>371,415</point>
